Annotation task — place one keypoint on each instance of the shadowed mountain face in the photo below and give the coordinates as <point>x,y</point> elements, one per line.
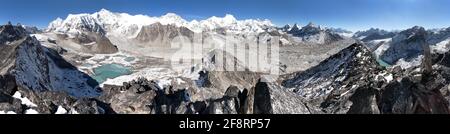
<point>38,68</point>
<point>89,42</point>
<point>405,47</point>
<point>98,43</point>
<point>40,74</point>
<point>407,44</point>
<point>162,35</point>
<point>10,33</point>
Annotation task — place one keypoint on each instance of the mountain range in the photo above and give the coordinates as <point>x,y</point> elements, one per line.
<point>117,63</point>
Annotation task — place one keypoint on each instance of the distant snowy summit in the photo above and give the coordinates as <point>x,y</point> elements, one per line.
<point>312,33</point>
<point>105,21</point>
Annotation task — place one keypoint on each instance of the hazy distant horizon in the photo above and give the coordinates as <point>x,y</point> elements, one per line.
<point>354,15</point>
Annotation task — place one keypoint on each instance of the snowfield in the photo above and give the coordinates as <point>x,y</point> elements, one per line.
<point>129,25</point>
<point>441,47</point>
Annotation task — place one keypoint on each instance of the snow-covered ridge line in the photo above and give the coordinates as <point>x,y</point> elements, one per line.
<point>123,23</point>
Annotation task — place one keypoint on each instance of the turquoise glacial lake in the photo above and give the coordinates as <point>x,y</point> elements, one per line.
<point>129,59</point>
<point>382,63</point>
<point>102,73</point>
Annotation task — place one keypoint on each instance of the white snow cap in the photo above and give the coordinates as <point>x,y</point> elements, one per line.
<point>31,111</point>
<point>61,110</point>
<point>24,100</point>
<point>129,25</point>
<point>54,24</point>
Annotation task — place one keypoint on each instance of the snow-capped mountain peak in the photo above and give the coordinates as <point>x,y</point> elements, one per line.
<point>313,33</point>
<point>226,20</point>
<point>124,24</point>
<point>105,15</point>
<point>54,24</point>
<point>312,27</point>
<point>218,22</point>
<point>310,24</point>
<point>229,19</point>
<point>172,18</point>
<point>104,11</point>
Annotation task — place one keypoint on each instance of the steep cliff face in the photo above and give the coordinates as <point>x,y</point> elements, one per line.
<point>161,35</point>
<point>38,68</point>
<point>35,79</point>
<point>25,59</point>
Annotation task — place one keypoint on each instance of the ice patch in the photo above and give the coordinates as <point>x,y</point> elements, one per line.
<point>8,112</point>
<point>179,81</point>
<point>361,37</point>
<point>389,78</point>
<point>31,111</point>
<point>61,110</point>
<point>24,100</point>
<point>381,40</point>
<point>163,83</point>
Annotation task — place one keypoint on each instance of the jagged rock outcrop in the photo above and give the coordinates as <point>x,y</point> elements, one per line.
<point>28,64</point>
<point>24,100</point>
<point>406,45</point>
<point>143,96</point>
<point>314,34</point>
<point>352,82</point>
<point>24,58</point>
<point>405,48</point>
<point>338,82</point>
<point>32,29</point>
<point>271,98</point>
<point>414,92</point>
<point>222,69</point>
<point>11,33</point>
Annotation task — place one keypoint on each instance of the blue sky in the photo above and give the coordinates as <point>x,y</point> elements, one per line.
<point>348,14</point>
